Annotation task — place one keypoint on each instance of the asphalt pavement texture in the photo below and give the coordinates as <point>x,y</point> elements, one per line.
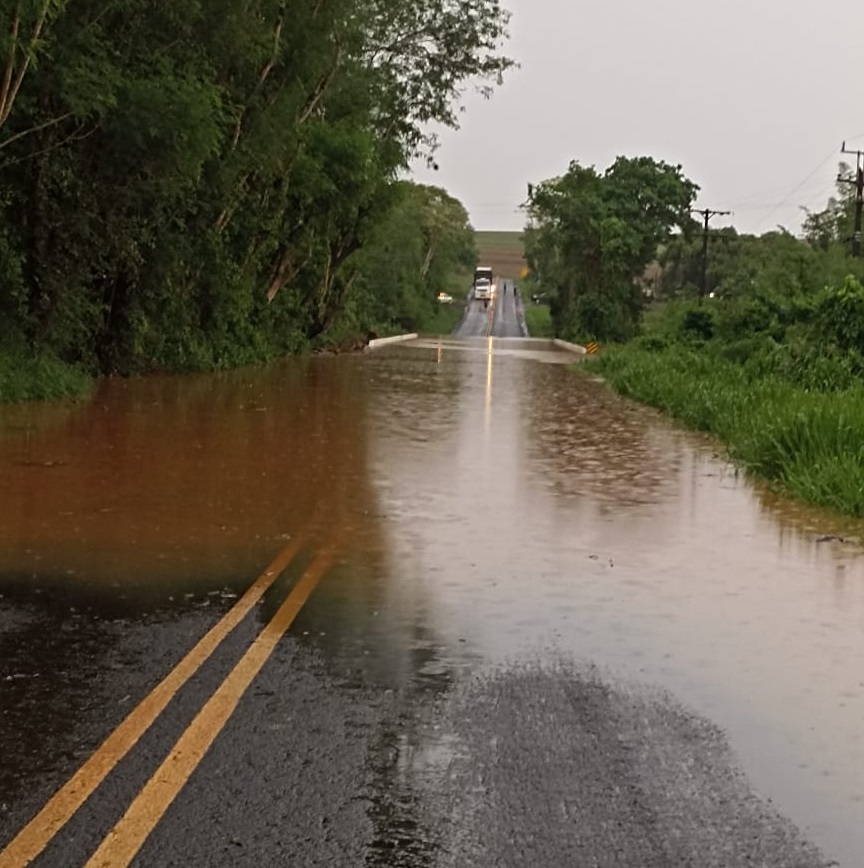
<point>534,765</point>
<point>327,763</point>
<point>560,767</point>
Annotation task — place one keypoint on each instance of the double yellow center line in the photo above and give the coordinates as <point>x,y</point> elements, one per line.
<point>127,837</point>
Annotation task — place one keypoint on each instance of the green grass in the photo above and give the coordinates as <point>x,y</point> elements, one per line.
<point>444,320</point>
<point>539,320</point>
<point>806,443</point>
<point>27,378</point>
<point>458,285</point>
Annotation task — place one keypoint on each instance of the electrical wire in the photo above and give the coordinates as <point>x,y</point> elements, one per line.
<point>795,189</point>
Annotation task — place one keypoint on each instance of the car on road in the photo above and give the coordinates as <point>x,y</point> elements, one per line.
<point>443,298</point>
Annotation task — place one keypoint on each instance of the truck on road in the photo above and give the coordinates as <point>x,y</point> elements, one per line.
<point>484,283</point>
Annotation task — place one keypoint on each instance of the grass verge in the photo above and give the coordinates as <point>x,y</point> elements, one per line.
<point>539,321</point>
<point>444,320</point>
<point>807,443</point>
<point>24,377</point>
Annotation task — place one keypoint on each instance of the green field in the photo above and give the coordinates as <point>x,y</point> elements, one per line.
<point>509,242</point>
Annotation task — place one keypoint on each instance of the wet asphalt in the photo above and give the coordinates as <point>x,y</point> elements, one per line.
<point>502,318</point>
<point>381,733</point>
<point>547,763</point>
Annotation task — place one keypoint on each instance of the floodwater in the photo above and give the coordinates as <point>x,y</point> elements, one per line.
<point>488,505</point>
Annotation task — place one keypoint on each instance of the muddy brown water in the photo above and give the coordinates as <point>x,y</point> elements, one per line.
<point>489,505</point>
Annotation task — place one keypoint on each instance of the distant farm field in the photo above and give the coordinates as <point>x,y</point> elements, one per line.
<point>503,251</point>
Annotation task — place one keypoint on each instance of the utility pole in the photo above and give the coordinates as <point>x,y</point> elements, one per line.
<point>859,196</point>
<point>707,214</point>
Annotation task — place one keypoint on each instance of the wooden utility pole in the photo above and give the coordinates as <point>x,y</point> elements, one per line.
<point>707,214</point>
<point>858,181</point>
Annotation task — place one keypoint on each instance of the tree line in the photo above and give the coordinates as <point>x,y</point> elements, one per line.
<point>202,184</point>
<point>768,357</point>
<point>592,235</point>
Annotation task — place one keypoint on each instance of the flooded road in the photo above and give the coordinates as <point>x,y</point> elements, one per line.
<point>492,522</point>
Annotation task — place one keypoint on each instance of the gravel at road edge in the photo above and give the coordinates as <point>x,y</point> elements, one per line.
<point>555,766</point>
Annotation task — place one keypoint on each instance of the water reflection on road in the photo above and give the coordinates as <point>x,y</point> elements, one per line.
<point>490,506</point>
<point>572,521</point>
<point>174,480</point>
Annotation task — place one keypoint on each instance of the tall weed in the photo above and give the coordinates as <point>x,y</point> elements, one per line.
<point>24,377</point>
<point>807,442</point>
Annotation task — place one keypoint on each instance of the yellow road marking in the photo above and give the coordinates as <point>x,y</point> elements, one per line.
<point>126,838</point>
<point>34,837</point>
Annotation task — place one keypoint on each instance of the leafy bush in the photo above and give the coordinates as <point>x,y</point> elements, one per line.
<point>739,317</point>
<point>25,377</point>
<point>840,315</point>
<point>746,349</point>
<point>652,343</point>
<point>699,322</point>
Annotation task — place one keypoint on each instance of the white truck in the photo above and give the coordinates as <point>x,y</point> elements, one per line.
<point>484,284</point>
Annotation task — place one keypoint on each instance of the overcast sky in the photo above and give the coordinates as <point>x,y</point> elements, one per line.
<point>752,97</point>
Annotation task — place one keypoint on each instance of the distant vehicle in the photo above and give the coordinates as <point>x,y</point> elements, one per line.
<point>484,283</point>
<point>484,289</point>
<point>443,298</point>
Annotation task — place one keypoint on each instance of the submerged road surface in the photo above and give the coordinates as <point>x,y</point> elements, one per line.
<point>446,604</point>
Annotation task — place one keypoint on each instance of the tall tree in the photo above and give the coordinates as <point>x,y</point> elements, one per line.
<point>833,225</point>
<point>187,185</point>
<point>590,237</point>
<point>408,258</point>
<point>25,29</point>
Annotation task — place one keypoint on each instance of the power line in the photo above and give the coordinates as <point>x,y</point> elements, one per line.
<point>774,195</point>
<point>773,199</point>
<point>757,206</point>
<point>796,189</point>
<point>824,193</point>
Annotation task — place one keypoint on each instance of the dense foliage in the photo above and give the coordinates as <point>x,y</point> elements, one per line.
<point>202,184</point>
<point>410,256</point>
<point>591,235</point>
<point>781,305</point>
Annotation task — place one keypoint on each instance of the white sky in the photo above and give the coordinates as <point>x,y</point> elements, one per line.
<point>752,97</point>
